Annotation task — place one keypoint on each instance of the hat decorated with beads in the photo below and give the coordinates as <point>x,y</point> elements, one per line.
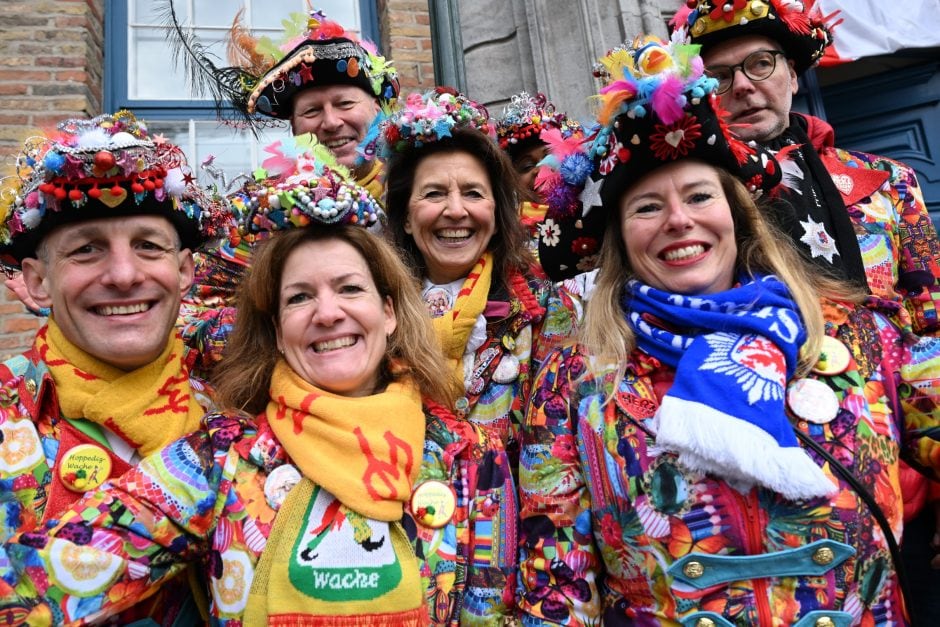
<point>657,106</point>
<point>429,117</point>
<point>265,75</point>
<point>526,116</point>
<point>106,167</point>
<point>301,184</point>
<point>801,30</point>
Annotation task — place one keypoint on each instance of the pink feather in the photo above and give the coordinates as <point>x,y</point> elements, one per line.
<point>558,146</point>
<point>667,102</point>
<point>278,164</point>
<point>546,179</point>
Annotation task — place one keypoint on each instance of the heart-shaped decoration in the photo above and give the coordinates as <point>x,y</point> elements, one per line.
<point>711,140</point>
<point>673,138</point>
<point>113,200</point>
<point>844,183</point>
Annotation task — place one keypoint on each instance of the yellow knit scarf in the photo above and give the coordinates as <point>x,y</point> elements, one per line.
<point>366,451</point>
<point>148,407</point>
<point>453,328</point>
<point>372,181</point>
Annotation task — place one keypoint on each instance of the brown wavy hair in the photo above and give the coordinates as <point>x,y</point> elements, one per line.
<point>243,377</point>
<point>508,243</point>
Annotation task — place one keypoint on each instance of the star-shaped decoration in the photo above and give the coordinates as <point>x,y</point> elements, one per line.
<point>590,196</point>
<point>159,139</point>
<point>306,74</point>
<point>188,178</point>
<point>815,237</point>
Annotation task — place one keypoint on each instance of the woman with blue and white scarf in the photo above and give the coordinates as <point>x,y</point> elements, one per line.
<point>704,454</point>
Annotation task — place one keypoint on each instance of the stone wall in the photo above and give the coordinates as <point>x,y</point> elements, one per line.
<point>548,45</point>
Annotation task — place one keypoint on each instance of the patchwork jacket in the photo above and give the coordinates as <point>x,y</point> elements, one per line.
<point>206,500</point>
<point>615,531</point>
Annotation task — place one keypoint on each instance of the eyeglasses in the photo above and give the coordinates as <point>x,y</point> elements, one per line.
<point>756,66</point>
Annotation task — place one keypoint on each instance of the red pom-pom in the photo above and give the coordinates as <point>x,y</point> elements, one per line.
<point>104,160</point>
<point>94,192</point>
<point>117,190</point>
<point>158,183</point>
<point>137,188</point>
<point>59,193</point>
<point>75,194</point>
<point>47,188</point>
<point>149,185</point>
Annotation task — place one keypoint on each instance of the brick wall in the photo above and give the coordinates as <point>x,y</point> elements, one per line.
<point>406,37</point>
<point>51,62</point>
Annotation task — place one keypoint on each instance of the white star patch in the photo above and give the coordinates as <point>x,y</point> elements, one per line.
<point>590,196</point>
<point>819,241</point>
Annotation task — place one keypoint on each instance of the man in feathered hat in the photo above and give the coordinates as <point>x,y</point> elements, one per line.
<point>101,218</point>
<point>321,78</point>
<point>859,216</point>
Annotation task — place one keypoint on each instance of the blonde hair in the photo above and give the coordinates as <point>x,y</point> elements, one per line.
<point>761,249</point>
<point>243,377</point>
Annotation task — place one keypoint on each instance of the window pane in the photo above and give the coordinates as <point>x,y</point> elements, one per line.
<point>216,13</point>
<point>151,72</point>
<point>145,12</point>
<point>234,153</point>
<point>270,13</point>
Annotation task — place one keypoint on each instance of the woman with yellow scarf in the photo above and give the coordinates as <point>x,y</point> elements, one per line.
<point>303,499</point>
<point>452,199</point>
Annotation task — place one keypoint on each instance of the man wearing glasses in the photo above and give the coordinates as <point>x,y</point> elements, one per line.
<point>858,216</point>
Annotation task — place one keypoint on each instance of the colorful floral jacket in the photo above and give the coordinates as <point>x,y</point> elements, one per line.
<point>498,393</point>
<point>31,435</point>
<point>898,241</point>
<point>204,499</point>
<point>469,565</point>
<point>617,532</point>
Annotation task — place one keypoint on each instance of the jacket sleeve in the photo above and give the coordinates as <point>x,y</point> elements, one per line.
<point>919,399</point>
<point>119,544</point>
<point>919,252</point>
<point>468,565</point>
<point>558,558</point>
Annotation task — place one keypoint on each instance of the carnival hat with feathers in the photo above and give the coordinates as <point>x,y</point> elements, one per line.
<point>657,106</point>
<point>526,117</point>
<point>106,167</point>
<point>803,32</point>
<point>263,76</point>
<point>301,184</point>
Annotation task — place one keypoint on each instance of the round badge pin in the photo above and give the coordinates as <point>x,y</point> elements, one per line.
<point>84,467</point>
<point>812,401</point>
<point>279,483</point>
<point>834,357</point>
<point>433,504</point>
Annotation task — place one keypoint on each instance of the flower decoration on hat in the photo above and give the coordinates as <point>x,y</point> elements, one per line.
<point>799,27</point>
<point>299,185</point>
<point>105,167</point>
<point>526,117</point>
<point>430,117</point>
<point>657,106</point>
<point>264,75</point>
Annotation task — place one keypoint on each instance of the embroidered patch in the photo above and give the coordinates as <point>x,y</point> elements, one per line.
<point>844,183</point>
<point>342,556</point>
<point>820,243</point>
<point>752,360</point>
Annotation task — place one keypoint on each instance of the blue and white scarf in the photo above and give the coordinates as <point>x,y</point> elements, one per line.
<point>724,414</point>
